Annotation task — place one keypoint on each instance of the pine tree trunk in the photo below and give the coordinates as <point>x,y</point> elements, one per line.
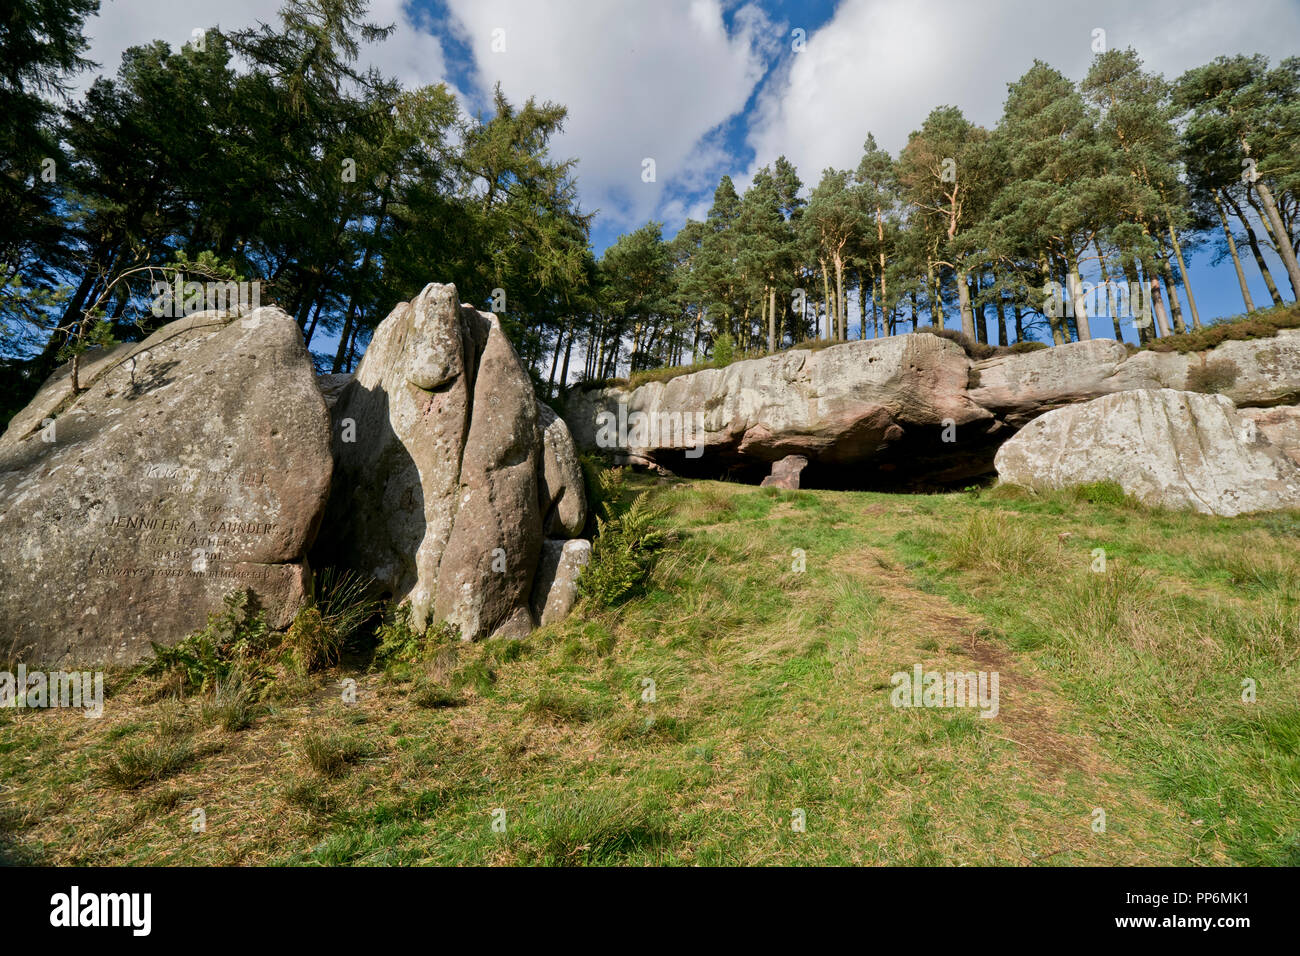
<point>1253,241</point>
<point>932,289</point>
<point>1079,300</point>
<point>875,311</point>
<point>568,350</point>
<point>963,299</point>
<point>1232,249</point>
<point>1175,306</point>
<point>826,290</point>
<point>555,362</point>
<point>311,329</point>
<point>1187,282</point>
<point>771,319</point>
<point>840,319</point>
<point>1145,332</point>
<point>1280,236</point>
<point>1157,301</point>
<point>1110,295</point>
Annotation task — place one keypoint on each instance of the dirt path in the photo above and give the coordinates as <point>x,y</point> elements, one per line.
<point>1033,713</point>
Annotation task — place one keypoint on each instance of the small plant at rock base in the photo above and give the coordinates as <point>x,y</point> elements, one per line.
<point>626,545</point>
<point>337,611</point>
<point>234,636</point>
<point>400,642</point>
<point>1101,493</point>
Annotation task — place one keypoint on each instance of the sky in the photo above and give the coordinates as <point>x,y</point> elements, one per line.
<point>711,87</point>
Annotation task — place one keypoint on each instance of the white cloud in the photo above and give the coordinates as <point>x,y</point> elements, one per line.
<point>412,54</point>
<point>639,80</point>
<point>659,79</point>
<point>881,65</point>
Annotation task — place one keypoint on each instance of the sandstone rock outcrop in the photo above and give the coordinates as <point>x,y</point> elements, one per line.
<point>444,474</point>
<point>1165,447</point>
<point>189,465</point>
<point>912,410</point>
<point>882,400</point>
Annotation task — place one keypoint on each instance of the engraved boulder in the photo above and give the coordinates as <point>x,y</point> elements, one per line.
<point>183,467</point>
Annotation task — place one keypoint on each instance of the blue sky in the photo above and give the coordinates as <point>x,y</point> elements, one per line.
<point>707,87</point>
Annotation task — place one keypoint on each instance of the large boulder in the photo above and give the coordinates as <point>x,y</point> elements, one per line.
<point>186,466</point>
<point>785,473</point>
<point>556,589</point>
<point>1021,386</point>
<point>1167,448</point>
<point>563,494</point>
<point>444,473</point>
<point>486,573</point>
<point>1280,425</point>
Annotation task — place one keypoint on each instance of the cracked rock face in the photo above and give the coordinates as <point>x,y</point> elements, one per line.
<point>444,474</point>
<point>189,465</point>
<point>1167,448</point>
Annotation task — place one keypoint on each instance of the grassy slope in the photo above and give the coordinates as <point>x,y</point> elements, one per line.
<point>1119,691</point>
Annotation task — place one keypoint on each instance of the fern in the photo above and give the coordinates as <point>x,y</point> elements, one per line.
<point>626,544</point>
<point>234,636</point>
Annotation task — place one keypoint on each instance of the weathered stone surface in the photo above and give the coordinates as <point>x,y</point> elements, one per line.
<point>191,464</point>
<point>56,391</point>
<point>556,588</point>
<point>486,572</point>
<point>441,492</point>
<point>1165,447</point>
<point>908,410</point>
<point>1280,425</point>
<point>785,473</point>
<point>397,451</point>
<point>563,497</point>
<point>1018,387</point>
<point>332,386</point>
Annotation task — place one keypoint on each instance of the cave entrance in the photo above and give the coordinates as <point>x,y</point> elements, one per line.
<point>921,461</point>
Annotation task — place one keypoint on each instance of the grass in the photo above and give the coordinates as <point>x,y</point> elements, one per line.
<point>132,765</point>
<point>330,754</point>
<point>690,724</point>
<point>234,703</point>
<point>1261,324</point>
